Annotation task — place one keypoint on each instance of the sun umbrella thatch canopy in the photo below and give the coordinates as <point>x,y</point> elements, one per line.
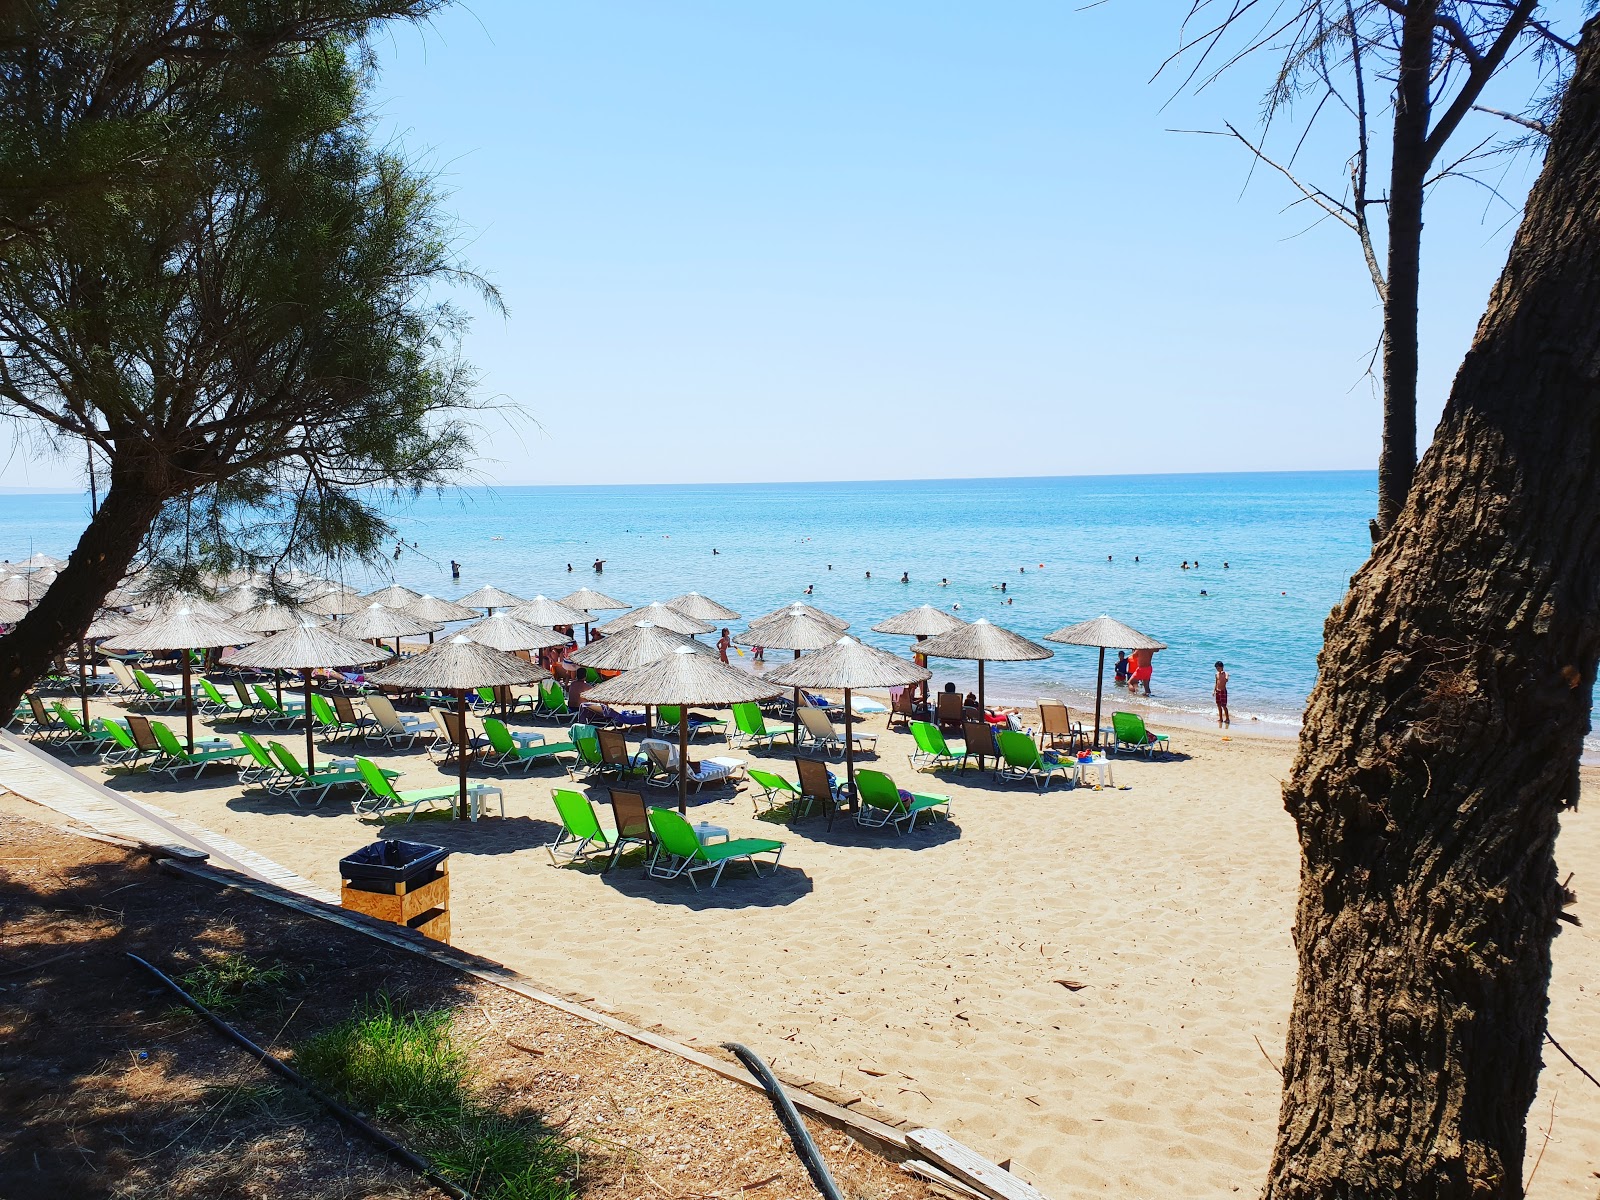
<point>985,642</point>
<point>394,596</point>
<point>375,620</point>
<point>846,663</point>
<point>489,596</point>
<point>701,608</point>
<point>1107,634</point>
<point>789,629</point>
<point>926,621</point>
<point>431,608</point>
<point>504,631</point>
<point>275,618</point>
<point>659,615</point>
<point>542,610</point>
<point>178,624</point>
<point>816,614</point>
<point>12,611</point>
<point>590,600</point>
<point>636,647</point>
<point>458,664</point>
<point>336,601</point>
<point>307,646</point>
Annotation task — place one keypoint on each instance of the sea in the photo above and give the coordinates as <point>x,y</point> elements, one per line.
<point>1241,568</point>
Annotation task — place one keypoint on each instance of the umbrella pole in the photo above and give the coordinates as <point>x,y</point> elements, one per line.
<point>188,702</point>
<point>796,736</point>
<point>1099,687</point>
<point>83,682</point>
<point>683,761</point>
<point>277,682</point>
<point>461,751</point>
<point>311,745</point>
<point>849,757</point>
<point>983,712</point>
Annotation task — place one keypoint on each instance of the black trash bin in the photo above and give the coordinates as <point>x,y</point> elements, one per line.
<point>406,883</point>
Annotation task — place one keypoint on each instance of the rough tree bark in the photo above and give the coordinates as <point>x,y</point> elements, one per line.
<point>1397,460</point>
<point>1443,737</point>
<point>96,566</point>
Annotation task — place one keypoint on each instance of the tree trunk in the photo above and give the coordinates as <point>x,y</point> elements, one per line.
<point>97,565</point>
<point>1408,168</point>
<point>1442,738</point>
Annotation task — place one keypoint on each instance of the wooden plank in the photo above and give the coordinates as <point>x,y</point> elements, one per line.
<point>865,1129</point>
<point>970,1167</point>
<point>397,908</point>
<point>932,1174</point>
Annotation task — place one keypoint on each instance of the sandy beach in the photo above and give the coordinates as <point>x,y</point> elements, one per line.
<point>1094,984</point>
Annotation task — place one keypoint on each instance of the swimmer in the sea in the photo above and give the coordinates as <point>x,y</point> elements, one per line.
<point>905,576</point>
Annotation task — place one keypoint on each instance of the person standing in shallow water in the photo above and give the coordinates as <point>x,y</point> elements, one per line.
<point>723,643</point>
<point>1219,692</point>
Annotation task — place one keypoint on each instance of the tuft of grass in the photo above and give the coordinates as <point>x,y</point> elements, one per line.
<point>399,1064</point>
<point>232,981</point>
<point>405,1067</point>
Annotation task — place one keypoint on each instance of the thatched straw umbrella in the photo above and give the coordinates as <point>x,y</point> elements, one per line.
<point>394,596</point>
<point>272,617</point>
<point>816,614</point>
<point>26,589</point>
<point>921,623</point>
<point>458,664</point>
<point>506,631</point>
<point>306,647</point>
<point>431,608</point>
<point>489,598</point>
<point>542,610</point>
<point>685,678</point>
<point>41,562</point>
<point>701,608</point>
<point>592,601</point>
<point>178,625</point>
<point>847,664</point>
<point>1104,633</point>
<point>657,614</point>
<point>376,621</point>
<point>790,629</point>
<point>12,611</point>
<point>636,647</point>
<point>335,601</point>
<point>986,643</point>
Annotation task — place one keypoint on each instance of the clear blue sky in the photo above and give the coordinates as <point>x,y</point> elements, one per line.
<point>841,240</point>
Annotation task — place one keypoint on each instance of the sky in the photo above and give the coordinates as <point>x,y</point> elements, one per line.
<point>835,240</point>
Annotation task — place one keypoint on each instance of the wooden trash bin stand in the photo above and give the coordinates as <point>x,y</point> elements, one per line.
<point>404,883</point>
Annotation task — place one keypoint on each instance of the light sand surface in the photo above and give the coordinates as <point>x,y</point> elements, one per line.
<point>923,972</point>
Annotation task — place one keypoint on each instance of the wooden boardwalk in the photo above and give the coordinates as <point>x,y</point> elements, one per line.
<point>38,776</point>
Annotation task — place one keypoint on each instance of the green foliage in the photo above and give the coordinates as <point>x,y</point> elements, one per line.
<point>216,278</point>
<point>233,982</point>
<point>400,1065</point>
<point>405,1067</point>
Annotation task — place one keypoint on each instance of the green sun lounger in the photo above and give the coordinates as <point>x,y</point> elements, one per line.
<point>213,703</point>
<point>263,768</point>
<point>882,803</point>
<point>93,737</point>
<point>174,757</point>
<point>1021,759</point>
<point>504,751</point>
<point>581,834</point>
<point>127,752</point>
<point>1131,734</point>
<point>553,701</point>
<point>295,781</point>
<point>933,753</point>
<point>383,799</point>
<point>153,695</point>
<point>679,850</point>
<point>751,727</point>
<point>772,790</point>
<point>669,715</point>
<point>275,713</point>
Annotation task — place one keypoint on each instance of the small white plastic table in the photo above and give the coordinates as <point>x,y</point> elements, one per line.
<point>1100,765</point>
<point>526,738</point>
<point>707,832</point>
<point>478,792</point>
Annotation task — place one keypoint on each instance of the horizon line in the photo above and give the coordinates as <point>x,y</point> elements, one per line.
<point>1107,475</point>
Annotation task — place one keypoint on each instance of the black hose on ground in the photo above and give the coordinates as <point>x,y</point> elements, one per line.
<point>798,1133</point>
<point>373,1134</point>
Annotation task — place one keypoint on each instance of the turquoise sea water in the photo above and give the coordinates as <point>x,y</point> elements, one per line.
<point>1291,542</point>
